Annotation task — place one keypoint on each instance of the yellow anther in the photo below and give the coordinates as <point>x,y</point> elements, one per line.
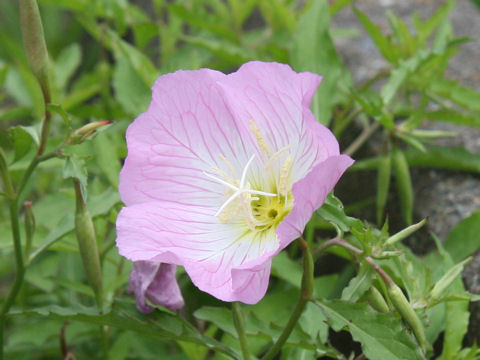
<point>260,140</point>
<point>275,156</point>
<point>224,217</point>
<point>284,176</point>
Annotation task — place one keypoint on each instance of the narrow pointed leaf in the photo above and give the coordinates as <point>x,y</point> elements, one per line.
<point>373,330</point>
<point>383,44</point>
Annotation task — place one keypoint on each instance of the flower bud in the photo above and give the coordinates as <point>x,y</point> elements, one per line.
<point>405,232</point>
<point>87,244</point>
<point>34,43</point>
<point>155,282</point>
<point>376,300</point>
<point>86,131</point>
<point>402,305</point>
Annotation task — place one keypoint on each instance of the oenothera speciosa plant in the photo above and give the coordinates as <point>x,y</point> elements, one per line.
<point>223,172</point>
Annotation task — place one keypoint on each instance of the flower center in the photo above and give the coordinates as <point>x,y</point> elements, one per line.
<point>260,209</point>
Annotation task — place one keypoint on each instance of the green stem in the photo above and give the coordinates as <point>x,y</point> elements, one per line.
<point>342,123</point>
<point>297,312</point>
<point>45,130</point>
<point>239,323</point>
<point>362,138</point>
<point>20,269</point>
<point>305,296</point>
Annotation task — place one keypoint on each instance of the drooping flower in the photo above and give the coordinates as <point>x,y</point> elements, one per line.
<point>156,282</point>
<point>223,172</point>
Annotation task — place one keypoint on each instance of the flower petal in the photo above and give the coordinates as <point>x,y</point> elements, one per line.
<point>185,131</point>
<point>309,194</point>
<point>277,99</point>
<point>229,261</point>
<point>156,282</point>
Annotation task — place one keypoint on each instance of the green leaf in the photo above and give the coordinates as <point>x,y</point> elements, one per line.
<point>221,317</point>
<point>338,5</point>
<point>384,45</point>
<point>375,331</point>
<point>124,316</point>
<point>401,73</point>
<point>359,284</point>
<point>425,29</point>
<point>97,205</point>
<point>313,50</point>
<point>229,52</point>
<point>453,91</point>
<point>314,323</point>
<point>23,137</point>
<point>333,212</point>
<point>107,158</point>
<point>121,347</point>
<point>3,73</point>
<point>214,27</point>
<point>404,183</point>
<point>256,321</point>
<point>448,278</point>
<point>277,14</point>
<point>404,38</point>
<point>449,115</point>
<point>121,49</point>
<point>66,64</point>
<point>76,168</point>
<point>446,158</point>
<point>286,269</point>
<point>130,91</point>
<point>456,312</point>
<point>411,140</point>
<point>464,240</point>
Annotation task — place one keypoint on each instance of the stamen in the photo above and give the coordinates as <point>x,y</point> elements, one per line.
<point>245,169</point>
<point>260,140</point>
<point>275,156</point>
<point>213,177</point>
<point>284,175</point>
<point>241,189</point>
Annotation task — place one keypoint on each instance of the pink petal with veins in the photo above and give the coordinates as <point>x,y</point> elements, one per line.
<point>221,259</point>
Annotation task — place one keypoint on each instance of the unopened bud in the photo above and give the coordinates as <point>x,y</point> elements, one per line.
<point>405,232</point>
<point>87,244</point>
<point>404,308</point>
<point>376,300</point>
<point>86,131</point>
<point>34,43</point>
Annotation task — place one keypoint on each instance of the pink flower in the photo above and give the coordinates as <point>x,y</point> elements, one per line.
<point>223,172</point>
<point>157,283</point>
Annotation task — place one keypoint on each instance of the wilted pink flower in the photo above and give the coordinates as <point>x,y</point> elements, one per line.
<point>156,282</point>
<point>223,172</point>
